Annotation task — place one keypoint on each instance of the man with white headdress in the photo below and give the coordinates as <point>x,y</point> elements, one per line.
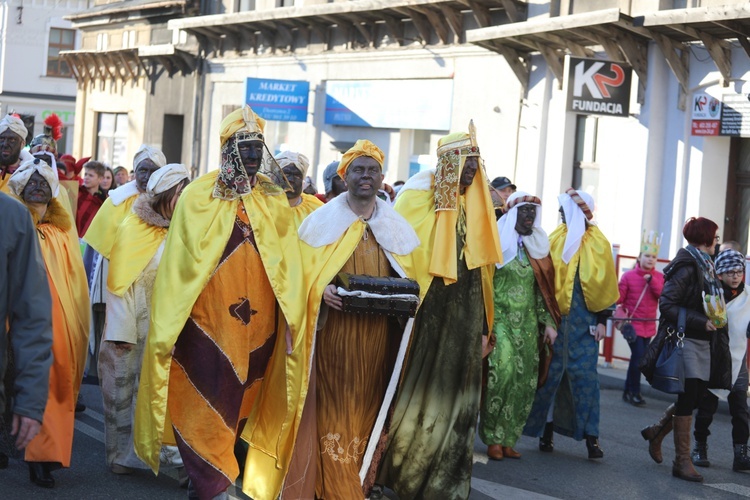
<point>12,140</point>
<point>134,260</point>
<point>100,237</point>
<point>36,184</point>
<point>226,318</point>
<point>586,288</point>
<point>526,319</point>
<point>294,166</point>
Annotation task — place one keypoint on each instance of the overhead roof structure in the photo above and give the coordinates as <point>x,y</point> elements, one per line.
<point>623,38</point>
<point>434,21</point>
<point>574,34</point>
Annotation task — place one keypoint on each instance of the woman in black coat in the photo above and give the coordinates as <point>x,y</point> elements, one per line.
<point>690,283</point>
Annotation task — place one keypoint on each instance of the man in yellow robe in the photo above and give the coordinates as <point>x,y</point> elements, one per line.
<point>36,184</point>
<point>431,439</point>
<point>585,288</point>
<point>357,357</point>
<point>226,289</point>
<point>100,236</point>
<point>294,166</point>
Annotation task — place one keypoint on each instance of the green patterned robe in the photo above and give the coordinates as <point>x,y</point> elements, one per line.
<point>520,312</point>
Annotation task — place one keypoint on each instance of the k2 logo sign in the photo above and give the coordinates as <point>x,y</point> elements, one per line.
<point>598,87</point>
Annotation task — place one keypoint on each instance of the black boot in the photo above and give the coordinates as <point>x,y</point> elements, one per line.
<point>39,474</point>
<point>592,445</point>
<point>741,460</point>
<point>3,461</point>
<point>699,455</point>
<point>546,441</point>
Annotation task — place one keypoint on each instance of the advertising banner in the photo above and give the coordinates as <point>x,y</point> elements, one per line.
<point>598,87</point>
<point>278,100</point>
<point>706,115</point>
<point>398,104</point>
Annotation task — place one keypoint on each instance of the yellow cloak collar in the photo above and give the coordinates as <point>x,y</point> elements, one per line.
<point>595,266</point>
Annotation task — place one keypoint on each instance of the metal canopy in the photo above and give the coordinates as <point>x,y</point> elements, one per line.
<point>624,39</point>
<point>363,23</point>
<point>575,34</point>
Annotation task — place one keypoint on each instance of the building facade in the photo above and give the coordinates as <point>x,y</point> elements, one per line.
<point>402,73</point>
<point>34,81</point>
<point>135,86</point>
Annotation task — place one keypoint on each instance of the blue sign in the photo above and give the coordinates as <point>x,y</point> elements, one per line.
<point>279,100</point>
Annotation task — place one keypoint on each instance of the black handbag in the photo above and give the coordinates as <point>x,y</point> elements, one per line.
<point>669,371</point>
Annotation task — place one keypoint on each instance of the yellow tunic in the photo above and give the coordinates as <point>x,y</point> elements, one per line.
<point>352,372</point>
<point>198,235</point>
<point>129,260</point>
<point>417,206</point>
<point>307,206</point>
<point>595,266</point>
<point>70,329</point>
<point>103,228</point>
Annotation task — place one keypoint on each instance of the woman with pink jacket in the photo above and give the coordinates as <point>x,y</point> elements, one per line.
<point>640,289</point>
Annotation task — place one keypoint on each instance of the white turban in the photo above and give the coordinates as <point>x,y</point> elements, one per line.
<point>506,226</point>
<point>166,178</point>
<point>15,125</point>
<point>577,212</point>
<point>297,159</point>
<point>146,152</point>
<point>21,176</point>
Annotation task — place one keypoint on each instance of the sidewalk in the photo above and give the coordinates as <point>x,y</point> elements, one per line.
<point>613,378</point>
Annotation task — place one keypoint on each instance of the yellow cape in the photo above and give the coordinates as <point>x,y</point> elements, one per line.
<point>307,206</point>
<point>4,184</point>
<point>103,228</point>
<point>417,206</point>
<point>198,234</point>
<point>62,256</point>
<point>595,266</point>
<point>135,244</point>
<point>264,470</point>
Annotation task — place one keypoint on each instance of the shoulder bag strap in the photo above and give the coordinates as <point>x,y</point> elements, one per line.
<point>681,319</point>
<point>639,301</point>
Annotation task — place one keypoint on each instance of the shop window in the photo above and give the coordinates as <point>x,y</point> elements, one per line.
<point>245,5</point>
<point>112,138</point>
<point>59,39</point>
<point>585,167</point>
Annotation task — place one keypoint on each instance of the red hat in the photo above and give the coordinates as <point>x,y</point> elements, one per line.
<point>69,161</point>
<point>80,163</point>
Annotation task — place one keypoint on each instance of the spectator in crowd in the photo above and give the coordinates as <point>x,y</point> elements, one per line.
<point>121,176</point>
<point>108,180</point>
<point>730,268</point>
<point>26,323</point>
<point>502,188</point>
<point>691,287</point>
<point>294,166</point>
<point>640,289</point>
<point>334,185</point>
<point>90,195</point>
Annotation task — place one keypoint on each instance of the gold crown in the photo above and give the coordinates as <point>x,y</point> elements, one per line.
<point>650,242</point>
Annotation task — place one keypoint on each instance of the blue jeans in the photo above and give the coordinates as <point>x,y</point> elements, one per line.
<point>637,350</point>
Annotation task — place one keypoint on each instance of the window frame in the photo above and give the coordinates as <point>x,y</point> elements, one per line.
<point>58,44</point>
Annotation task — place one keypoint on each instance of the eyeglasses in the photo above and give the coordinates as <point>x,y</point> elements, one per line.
<point>735,274</point>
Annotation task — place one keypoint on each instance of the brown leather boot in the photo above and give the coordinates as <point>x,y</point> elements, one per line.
<point>683,467</point>
<point>654,434</point>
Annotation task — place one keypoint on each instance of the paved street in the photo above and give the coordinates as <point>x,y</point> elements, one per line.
<point>625,472</point>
